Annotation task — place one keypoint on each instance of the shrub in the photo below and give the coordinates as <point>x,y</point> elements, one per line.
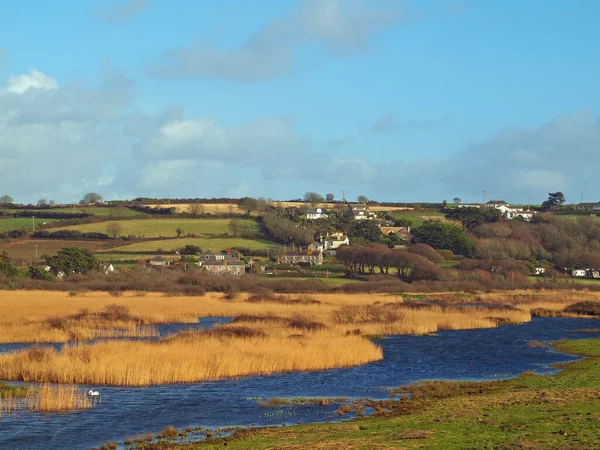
<point>586,308</point>
<point>37,273</point>
<point>365,314</point>
<point>116,312</point>
<point>428,252</point>
<point>8,270</point>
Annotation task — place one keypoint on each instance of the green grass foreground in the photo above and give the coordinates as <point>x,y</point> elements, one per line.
<point>527,412</point>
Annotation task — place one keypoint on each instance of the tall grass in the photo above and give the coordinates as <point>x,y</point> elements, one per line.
<point>49,398</point>
<point>196,357</point>
<point>45,398</point>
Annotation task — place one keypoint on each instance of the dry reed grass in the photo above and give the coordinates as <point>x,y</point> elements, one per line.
<point>46,398</point>
<point>49,398</point>
<point>197,357</point>
<point>283,333</point>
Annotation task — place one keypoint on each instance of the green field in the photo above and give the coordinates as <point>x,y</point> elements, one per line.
<point>419,217</point>
<point>26,248</point>
<point>167,227</point>
<point>99,211</point>
<point>22,222</point>
<point>527,412</point>
<point>203,243</point>
<point>95,210</point>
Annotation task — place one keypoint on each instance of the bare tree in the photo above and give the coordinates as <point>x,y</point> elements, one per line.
<point>234,226</point>
<point>313,198</point>
<point>456,200</point>
<point>42,202</point>
<point>6,200</point>
<point>195,209</point>
<point>113,229</point>
<point>249,204</point>
<point>178,231</point>
<point>91,197</point>
<point>117,211</point>
<point>329,197</point>
<point>362,199</point>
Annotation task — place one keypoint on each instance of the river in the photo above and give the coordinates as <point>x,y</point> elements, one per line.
<point>480,354</point>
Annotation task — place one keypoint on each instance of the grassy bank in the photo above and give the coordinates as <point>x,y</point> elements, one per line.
<point>529,412</point>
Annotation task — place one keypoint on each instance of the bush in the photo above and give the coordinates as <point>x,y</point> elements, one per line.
<point>8,270</point>
<point>352,314</point>
<point>428,252</point>
<point>37,273</point>
<point>586,308</point>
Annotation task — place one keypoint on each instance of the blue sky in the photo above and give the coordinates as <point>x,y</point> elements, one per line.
<point>396,100</point>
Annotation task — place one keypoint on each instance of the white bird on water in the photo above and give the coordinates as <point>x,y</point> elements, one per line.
<point>93,393</point>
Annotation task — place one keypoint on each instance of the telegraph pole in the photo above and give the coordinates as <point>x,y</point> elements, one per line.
<point>484,197</point>
<point>33,222</point>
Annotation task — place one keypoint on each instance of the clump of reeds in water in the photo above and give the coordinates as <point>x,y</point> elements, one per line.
<point>46,398</point>
<point>11,398</point>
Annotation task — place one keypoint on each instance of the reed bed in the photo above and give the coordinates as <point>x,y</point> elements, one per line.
<point>46,398</point>
<point>192,358</point>
<point>49,398</point>
<point>270,334</point>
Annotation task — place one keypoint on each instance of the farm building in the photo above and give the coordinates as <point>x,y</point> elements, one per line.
<point>159,261</point>
<point>219,267</point>
<point>302,256</point>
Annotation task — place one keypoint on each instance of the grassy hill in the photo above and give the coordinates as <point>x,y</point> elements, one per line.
<point>205,228</point>
<point>95,210</point>
<point>21,222</point>
<point>204,243</point>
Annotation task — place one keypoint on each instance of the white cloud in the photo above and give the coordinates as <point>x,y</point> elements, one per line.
<point>339,27</point>
<point>19,84</point>
<point>60,142</point>
<point>514,164</point>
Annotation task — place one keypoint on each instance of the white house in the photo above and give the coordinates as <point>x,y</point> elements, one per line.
<point>514,213</point>
<point>335,242</point>
<point>578,272</point>
<point>316,213</point>
<point>107,268</point>
<point>360,212</point>
<point>588,207</point>
<point>539,270</point>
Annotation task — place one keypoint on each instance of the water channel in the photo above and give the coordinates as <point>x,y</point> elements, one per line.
<point>481,354</point>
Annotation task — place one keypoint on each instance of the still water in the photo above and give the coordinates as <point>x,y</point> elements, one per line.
<point>482,354</point>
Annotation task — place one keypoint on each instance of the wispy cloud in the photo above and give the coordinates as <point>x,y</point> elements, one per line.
<point>338,27</point>
<point>123,11</point>
<point>389,122</point>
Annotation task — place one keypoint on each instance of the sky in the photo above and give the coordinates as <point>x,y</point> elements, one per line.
<point>407,101</point>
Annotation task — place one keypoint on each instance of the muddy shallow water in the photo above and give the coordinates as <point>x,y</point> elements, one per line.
<point>482,354</point>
